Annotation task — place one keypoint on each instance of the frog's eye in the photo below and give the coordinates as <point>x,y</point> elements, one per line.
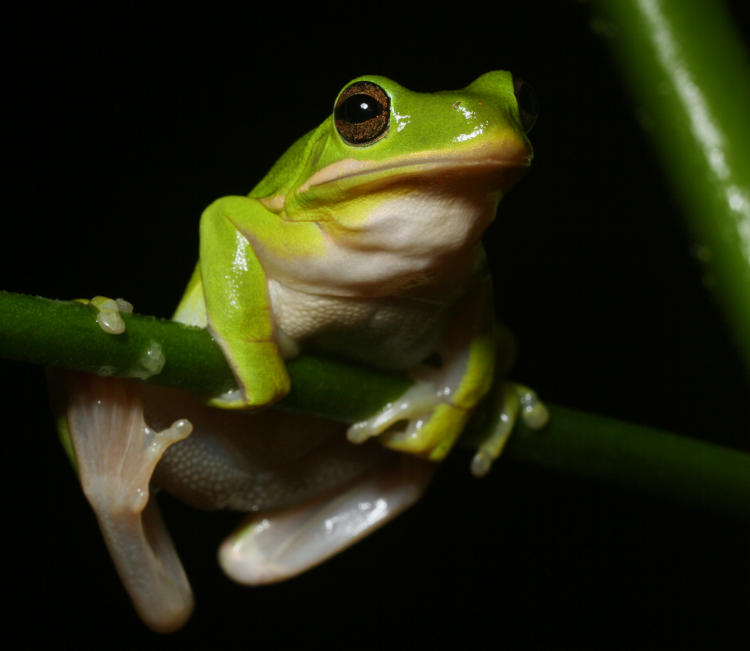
<point>362,113</point>
<point>528,103</point>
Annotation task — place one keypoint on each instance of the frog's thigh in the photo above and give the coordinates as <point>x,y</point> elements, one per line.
<point>279,544</point>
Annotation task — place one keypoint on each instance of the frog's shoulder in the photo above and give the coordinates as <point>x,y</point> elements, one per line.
<point>285,172</point>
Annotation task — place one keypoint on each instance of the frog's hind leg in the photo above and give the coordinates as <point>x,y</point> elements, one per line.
<point>116,454</point>
<point>275,545</point>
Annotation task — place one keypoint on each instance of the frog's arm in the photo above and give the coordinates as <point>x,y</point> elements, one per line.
<point>442,400</point>
<point>234,232</point>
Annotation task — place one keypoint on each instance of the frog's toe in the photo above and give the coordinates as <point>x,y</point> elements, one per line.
<point>510,400</point>
<point>533,411</point>
<point>109,312</point>
<point>420,422</point>
<point>417,401</point>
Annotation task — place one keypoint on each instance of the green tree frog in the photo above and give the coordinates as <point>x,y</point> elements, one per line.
<point>363,241</point>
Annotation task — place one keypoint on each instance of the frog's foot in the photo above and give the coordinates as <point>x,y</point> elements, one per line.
<point>279,544</point>
<point>421,421</point>
<point>109,313</point>
<point>418,400</point>
<point>116,453</point>
<point>508,401</point>
<point>261,375</point>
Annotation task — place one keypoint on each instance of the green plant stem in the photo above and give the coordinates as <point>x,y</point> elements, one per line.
<point>65,334</point>
<point>688,73</point>
<point>644,459</point>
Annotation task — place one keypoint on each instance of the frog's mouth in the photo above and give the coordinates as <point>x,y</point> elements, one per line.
<point>502,165</point>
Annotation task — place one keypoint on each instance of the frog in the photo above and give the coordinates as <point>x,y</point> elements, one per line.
<point>362,242</point>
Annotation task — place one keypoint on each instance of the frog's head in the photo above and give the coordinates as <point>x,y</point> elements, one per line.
<point>391,165</point>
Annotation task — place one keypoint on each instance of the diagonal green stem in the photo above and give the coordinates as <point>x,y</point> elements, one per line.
<point>65,334</point>
<point>689,76</point>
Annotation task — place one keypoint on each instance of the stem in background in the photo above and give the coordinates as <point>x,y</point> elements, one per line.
<point>65,334</point>
<point>689,77</point>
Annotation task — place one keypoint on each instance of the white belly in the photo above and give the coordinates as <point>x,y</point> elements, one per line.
<point>392,332</point>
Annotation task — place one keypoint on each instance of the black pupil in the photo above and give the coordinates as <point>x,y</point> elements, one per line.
<point>359,108</point>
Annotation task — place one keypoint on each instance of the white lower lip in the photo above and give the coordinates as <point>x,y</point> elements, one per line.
<point>352,168</point>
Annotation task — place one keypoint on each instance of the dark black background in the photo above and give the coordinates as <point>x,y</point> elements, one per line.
<point>122,124</point>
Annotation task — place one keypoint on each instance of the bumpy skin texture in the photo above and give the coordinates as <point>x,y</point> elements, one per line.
<point>362,241</point>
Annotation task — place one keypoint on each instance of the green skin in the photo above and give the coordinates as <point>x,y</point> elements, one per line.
<point>390,228</point>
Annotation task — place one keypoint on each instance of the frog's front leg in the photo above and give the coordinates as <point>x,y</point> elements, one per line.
<point>437,407</point>
<point>229,292</point>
